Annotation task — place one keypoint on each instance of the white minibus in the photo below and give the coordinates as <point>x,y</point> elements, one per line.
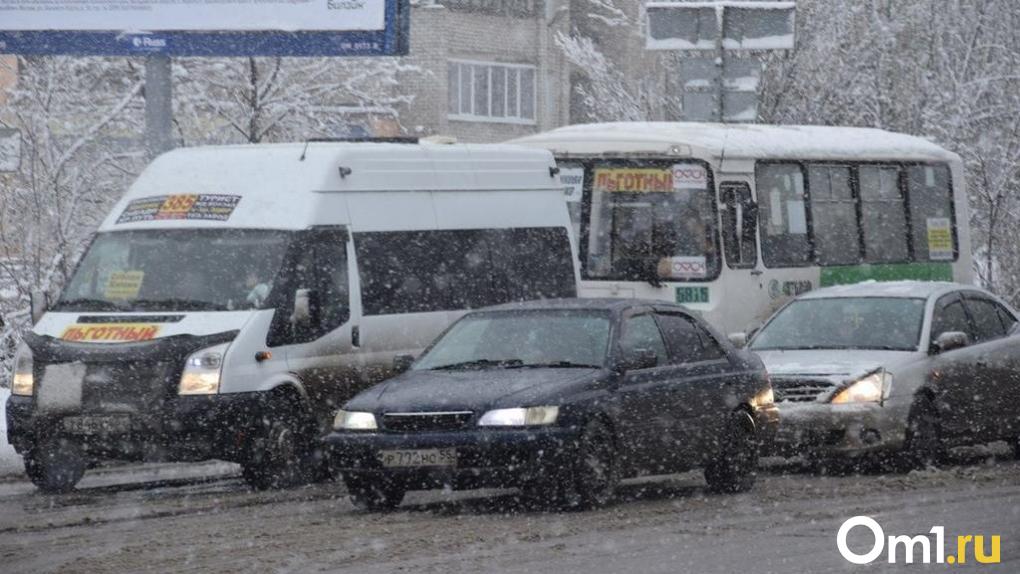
<point>237,296</point>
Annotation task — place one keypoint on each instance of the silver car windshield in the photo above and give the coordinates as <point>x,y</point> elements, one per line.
<point>522,339</point>
<point>887,323</point>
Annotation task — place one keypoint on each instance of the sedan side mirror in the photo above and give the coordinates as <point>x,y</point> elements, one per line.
<point>638,359</point>
<point>402,363</point>
<point>950,340</point>
<point>739,340</point>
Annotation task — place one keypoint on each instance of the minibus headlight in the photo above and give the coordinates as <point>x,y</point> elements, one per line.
<point>519,417</point>
<point>353,420</point>
<point>202,371</point>
<point>870,389</point>
<point>24,379</point>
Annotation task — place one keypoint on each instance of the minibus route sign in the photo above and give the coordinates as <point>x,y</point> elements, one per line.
<point>210,207</point>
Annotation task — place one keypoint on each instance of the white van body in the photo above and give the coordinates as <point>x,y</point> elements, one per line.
<point>358,212</point>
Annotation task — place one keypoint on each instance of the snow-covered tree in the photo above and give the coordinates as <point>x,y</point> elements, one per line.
<point>280,99</point>
<point>79,120</point>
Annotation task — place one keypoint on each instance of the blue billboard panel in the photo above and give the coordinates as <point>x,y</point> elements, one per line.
<point>192,28</point>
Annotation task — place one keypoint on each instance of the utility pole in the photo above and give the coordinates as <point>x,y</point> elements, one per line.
<point>159,113</point>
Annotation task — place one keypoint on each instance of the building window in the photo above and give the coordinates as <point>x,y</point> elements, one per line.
<point>481,91</point>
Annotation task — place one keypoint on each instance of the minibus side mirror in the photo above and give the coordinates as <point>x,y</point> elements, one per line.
<point>302,315</point>
<point>949,341</point>
<point>39,301</point>
<point>739,340</point>
<point>402,363</point>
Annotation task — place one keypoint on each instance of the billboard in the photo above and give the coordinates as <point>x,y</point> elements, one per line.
<point>205,27</point>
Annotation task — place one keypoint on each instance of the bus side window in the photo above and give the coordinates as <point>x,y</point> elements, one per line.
<point>883,216</point>
<point>783,215</point>
<point>739,216</point>
<point>833,215</point>
<point>931,213</point>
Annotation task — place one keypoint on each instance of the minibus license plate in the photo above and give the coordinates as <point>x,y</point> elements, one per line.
<point>418,457</point>
<point>97,425</point>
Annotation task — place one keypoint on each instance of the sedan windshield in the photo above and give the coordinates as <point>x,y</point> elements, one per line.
<point>176,270</point>
<point>521,340</point>
<point>845,323</point>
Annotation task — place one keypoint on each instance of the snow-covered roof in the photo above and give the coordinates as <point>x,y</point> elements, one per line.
<point>738,141</point>
<point>286,185</point>
<point>898,289</point>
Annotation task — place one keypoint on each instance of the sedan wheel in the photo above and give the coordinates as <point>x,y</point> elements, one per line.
<point>596,471</point>
<point>374,495</point>
<point>924,444</point>
<point>736,467</point>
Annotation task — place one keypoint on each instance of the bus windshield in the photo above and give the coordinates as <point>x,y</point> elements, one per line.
<point>652,220</point>
<point>176,270</point>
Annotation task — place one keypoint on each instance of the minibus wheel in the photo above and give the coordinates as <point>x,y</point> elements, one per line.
<point>56,465</point>
<point>735,468</point>
<point>278,451</point>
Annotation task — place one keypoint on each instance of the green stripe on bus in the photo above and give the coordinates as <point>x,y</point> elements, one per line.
<point>891,272</point>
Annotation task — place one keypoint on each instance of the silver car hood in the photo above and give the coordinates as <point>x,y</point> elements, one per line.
<point>832,364</point>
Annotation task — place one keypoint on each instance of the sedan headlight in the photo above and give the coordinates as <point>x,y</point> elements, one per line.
<point>764,398</point>
<point>354,420</point>
<point>24,378</point>
<point>202,371</point>
<point>519,417</point>
<point>870,389</point>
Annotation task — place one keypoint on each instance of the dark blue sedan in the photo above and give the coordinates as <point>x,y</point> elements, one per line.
<point>561,398</point>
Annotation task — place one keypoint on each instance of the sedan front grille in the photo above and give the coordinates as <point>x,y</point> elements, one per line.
<point>426,422</point>
<point>800,390</point>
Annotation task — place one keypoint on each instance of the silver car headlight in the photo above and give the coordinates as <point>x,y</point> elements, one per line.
<point>354,420</point>
<point>202,371</point>
<point>519,417</point>
<point>873,388</point>
<point>24,377</point>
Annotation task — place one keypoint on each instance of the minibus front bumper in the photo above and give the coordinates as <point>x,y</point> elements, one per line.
<point>188,428</point>
<point>485,458</point>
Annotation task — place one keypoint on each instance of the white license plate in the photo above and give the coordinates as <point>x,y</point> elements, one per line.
<point>418,457</point>
<point>97,425</point>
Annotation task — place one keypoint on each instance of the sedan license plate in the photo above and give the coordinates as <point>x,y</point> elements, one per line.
<point>92,425</point>
<point>418,457</point>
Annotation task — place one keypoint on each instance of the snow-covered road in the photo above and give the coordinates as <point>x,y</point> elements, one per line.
<point>201,518</point>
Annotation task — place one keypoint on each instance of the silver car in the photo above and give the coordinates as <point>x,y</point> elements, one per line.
<point>916,367</point>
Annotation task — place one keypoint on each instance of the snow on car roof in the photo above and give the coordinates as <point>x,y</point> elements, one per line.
<point>899,289</point>
<point>740,141</point>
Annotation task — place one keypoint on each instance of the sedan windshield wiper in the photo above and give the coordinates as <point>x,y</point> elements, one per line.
<point>176,304</point>
<point>480,364</point>
<point>556,365</point>
<point>87,304</point>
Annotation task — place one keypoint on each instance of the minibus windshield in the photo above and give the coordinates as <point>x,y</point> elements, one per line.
<point>176,270</point>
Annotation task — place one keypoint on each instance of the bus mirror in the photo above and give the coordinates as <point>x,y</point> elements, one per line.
<point>39,302</point>
<point>739,340</point>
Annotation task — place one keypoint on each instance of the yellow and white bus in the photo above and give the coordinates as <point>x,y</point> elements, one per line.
<point>732,220</point>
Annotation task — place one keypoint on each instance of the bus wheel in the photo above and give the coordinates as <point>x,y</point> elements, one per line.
<point>278,451</point>
<point>55,466</point>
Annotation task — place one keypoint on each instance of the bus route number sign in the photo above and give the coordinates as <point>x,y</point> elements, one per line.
<point>691,295</point>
